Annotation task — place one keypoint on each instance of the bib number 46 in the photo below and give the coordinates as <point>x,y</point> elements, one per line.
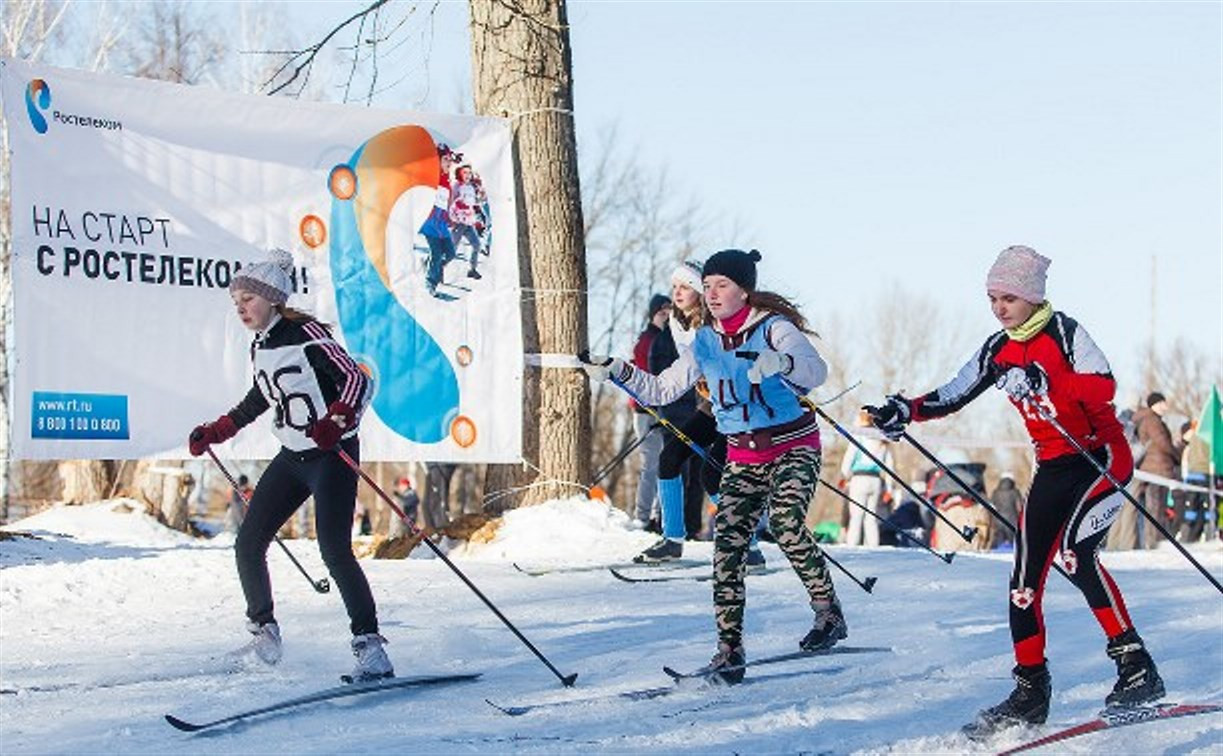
<point>293,409</point>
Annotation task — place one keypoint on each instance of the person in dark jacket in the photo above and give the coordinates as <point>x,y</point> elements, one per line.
<point>1008,500</point>
<point>680,470</point>
<point>1159,459</point>
<point>647,485</point>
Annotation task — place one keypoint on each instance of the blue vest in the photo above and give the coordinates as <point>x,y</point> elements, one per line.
<point>863,464</point>
<point>737,405</point>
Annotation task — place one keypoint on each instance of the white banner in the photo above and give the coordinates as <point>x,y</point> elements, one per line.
<point>133,204</point>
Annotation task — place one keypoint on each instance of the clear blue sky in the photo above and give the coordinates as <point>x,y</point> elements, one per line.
<point>865,143</point>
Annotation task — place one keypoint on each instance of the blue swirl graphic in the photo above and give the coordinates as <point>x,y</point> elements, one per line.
<point>418,396</point>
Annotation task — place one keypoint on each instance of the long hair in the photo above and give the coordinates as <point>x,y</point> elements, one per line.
<point>776,303</point>
<point>297,316</point>
<point>694,319</point>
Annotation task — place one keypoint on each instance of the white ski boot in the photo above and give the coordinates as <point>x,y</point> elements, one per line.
<point>372,661</point>
<point>264,644</point>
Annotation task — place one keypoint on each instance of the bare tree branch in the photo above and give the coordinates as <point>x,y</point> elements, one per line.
<point>300,61</point>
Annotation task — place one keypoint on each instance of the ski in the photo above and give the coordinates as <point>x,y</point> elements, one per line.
<point>1118,717</point>
<point>705,673</point>
<point>675,564</point>
<point>643,694</point>
<point>341,691</point>
<point>703,577</point>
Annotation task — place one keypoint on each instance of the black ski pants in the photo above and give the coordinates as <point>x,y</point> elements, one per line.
<point>1068,513</point>
<point>289,480</point>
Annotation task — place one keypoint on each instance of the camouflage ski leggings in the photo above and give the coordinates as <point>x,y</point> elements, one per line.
<point>785,486</point>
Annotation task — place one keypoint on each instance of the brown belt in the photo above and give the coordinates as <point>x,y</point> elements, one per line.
<point>767,438</point>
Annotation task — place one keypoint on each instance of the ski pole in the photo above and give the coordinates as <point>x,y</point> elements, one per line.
<point>1048,417</point>
<point>627,450</point>
<point>566,680</point>
<point>322,585</point>
<point>866,585</point>
<point>969,490</point>
<point>966,532</point>
<point>947,557</point>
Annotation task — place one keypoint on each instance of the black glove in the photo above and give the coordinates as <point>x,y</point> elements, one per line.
<point>892,416</point>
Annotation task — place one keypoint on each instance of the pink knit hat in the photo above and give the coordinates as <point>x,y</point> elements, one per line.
<point>1020,271</point>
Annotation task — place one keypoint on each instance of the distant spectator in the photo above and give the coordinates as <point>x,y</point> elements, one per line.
<point>646,512</point>
<point>409,502</point>
<point>1159,458</point>
<point>1195,470</point>
<point>437,494</point>
<point>362,523</point>
<point>911,517</point>
<point>237,504</point>
<point>1008,500</point>
<point>865,486</point>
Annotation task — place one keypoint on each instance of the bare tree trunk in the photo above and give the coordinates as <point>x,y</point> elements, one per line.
<point>87,480</point>
<point>164,486</point>
<point>522,68</point>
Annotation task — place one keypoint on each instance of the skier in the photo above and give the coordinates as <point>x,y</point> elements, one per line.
<point>675,484</point>
<point>1044,358</point>
<point>436,228</point>
<point>751,351</point>
<point>465,199</point>
<point>318,394</point>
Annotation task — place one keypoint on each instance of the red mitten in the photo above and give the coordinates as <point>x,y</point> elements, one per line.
<point>217,432</point>
<point>327,430</point>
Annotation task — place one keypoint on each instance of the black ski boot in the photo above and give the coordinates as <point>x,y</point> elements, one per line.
<point>1138,681</point>
<point>724,658</point>
<point>828,628</point>
<point>665,550</point>
<point>1028,704</point>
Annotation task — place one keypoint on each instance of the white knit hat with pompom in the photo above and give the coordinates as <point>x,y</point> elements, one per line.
<point>269,278</point>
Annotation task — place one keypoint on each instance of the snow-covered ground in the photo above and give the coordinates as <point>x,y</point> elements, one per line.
<point>111,615</point>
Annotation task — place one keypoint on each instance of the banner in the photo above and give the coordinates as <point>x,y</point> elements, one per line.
<point>135,202</point>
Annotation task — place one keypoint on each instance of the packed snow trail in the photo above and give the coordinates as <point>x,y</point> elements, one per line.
<point>118,598</point>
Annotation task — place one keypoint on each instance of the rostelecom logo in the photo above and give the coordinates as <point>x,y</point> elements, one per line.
<point>38,99</point>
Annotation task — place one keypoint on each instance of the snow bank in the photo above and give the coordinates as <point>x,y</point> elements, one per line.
<point>115,521</point>
<point>569,531</point>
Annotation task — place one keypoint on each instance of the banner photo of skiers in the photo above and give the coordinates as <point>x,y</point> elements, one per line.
<point>135,203</point>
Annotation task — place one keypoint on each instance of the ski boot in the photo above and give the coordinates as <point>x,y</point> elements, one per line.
<point>264,644</point>
<point>372,661</point>
<point>665,550</point>
<point>727,664</point>
<point>1138,681</point>
<point>828,628</point>
<point>1027,704</point>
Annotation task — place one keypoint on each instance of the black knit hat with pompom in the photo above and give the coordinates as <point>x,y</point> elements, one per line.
<point>735,264</point>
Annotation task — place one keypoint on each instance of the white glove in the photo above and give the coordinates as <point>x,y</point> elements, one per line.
<point>600,367</point>
<point>1021,382</point>
<point>769,363</point>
